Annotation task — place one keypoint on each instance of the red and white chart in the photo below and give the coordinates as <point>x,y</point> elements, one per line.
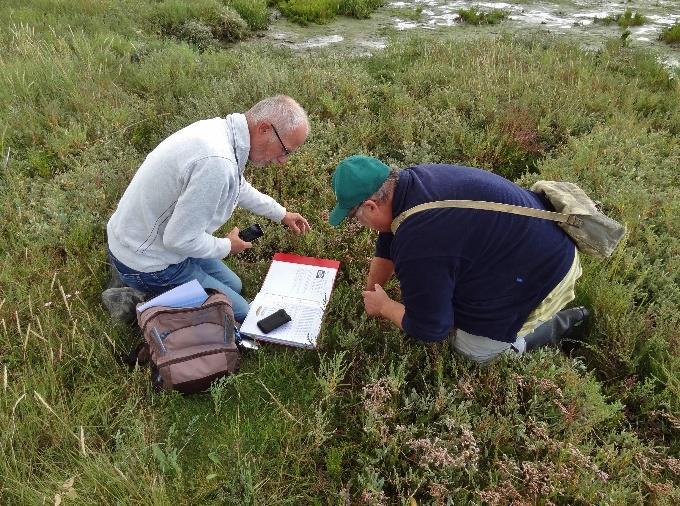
<point>300,285</point>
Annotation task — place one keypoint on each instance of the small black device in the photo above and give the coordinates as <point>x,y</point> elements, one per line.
<point>273,321</point>
<point>251,233</point>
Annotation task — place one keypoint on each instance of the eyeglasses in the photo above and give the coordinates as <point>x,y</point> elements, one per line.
<point>285,149</point>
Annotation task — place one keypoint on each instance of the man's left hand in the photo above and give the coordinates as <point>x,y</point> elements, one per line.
<point>375,300</point>
<point>296,223</point>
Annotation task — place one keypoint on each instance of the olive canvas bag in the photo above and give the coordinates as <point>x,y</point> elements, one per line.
<point>188,348</point>
<point>593,232</point>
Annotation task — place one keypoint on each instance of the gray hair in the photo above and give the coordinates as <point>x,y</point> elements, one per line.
<point>381,195</point>
<point>387,188</point>
<point>280,110</point>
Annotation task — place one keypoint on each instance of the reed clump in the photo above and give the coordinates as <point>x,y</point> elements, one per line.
<point>475,16</point>
<point>671,35</point>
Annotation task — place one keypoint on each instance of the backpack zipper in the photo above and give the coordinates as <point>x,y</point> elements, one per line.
<point>226,327</point>
<point>159,340</point>
<point>183,310</point>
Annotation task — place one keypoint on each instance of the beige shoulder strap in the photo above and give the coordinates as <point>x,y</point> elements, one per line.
<point>488,206</point>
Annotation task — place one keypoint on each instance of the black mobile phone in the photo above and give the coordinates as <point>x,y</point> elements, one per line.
<point>273,321</point>
<point>251,233</point>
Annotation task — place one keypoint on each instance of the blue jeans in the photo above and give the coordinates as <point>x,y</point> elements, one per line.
<point>210,273</point>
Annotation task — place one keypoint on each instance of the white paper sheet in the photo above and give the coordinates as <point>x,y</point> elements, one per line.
<point>300,281</point>
<point>190,294</point>
<point>302,330</point>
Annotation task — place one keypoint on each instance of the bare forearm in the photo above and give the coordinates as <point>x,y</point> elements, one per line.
<point>379,272</point>
<point>394,312</point>
<point>378,303</point>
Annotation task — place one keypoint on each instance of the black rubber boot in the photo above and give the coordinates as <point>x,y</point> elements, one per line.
<point>565,323</point>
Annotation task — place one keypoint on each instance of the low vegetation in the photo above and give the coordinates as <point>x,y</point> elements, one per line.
<point>323,11</point>
<point>671,35</point>
<point>253,12</point>
<point>413,14</point>
<point>475,16</point>
<point>89,88</point>
<point>624,20</point>
<point>628,19</point>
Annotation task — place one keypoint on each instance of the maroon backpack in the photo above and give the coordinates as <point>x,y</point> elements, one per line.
<point>189,348</point>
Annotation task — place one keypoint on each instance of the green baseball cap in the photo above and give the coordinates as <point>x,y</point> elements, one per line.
<point>355,179</point>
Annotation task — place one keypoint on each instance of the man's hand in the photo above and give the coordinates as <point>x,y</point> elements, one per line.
<point>375,300</point>
<point>296,223</point>
<point>378,303</point>
<point>237,244</point>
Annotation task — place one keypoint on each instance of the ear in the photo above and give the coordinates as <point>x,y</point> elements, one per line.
<point>371,205</point>
<point>263,127</point>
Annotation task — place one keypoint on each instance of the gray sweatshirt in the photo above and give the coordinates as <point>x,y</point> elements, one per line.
<point>187,188</point>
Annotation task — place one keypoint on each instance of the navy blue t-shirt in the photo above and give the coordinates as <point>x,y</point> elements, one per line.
<point>480,271</point>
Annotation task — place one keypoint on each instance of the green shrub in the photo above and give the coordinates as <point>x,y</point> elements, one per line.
<point>625,20</point>
<point>322,11</point>
<point>309,11</point>
<point>474,16</point>
<point>230,27</point>
<point>671,35</point>
<point>607,20</point>
<point>359,8</point>
<point>629,19</point>
<point>253,12</point>
<point>40,163</point>
<point>171,17</point>
<point>197,33</point>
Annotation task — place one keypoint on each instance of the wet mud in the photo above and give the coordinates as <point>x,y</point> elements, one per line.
<point>571,19</point>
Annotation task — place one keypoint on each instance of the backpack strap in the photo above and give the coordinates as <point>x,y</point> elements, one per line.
<point>570,219</point>
<point>137,355</point>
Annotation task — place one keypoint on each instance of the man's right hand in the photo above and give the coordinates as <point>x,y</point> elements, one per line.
<point>237,244</point>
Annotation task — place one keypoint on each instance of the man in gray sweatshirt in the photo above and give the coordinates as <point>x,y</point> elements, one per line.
<point>161,234</point>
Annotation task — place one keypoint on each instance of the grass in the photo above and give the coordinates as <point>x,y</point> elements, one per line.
<point>624,20</point>
<point>203,24</point>
<point>360,9</point>
<point>475,16</point>
<point>88,88</point>
<point>323,11</point>
<point>253,12</point>
<point>305,12</point>
<point>628,19</point>
<point>671,35</point>
<point>412,14</point>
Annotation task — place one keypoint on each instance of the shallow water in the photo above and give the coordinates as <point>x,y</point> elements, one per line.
<point>568,18</point>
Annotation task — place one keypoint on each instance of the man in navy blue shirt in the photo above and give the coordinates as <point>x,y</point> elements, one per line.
<point>492,282</point>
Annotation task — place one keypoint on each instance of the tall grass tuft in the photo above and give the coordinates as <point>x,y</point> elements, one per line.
<point>253,12</point>
<point>624,20</point>
<point>322,11</point>
<point>475,16</point>
<point>359,8</point>
<point>671,34</point>
<point>628,19</point>
<point>180,18</point>
<point>306,11</point>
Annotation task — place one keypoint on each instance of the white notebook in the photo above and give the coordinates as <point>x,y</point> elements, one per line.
<point>301,286</point>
